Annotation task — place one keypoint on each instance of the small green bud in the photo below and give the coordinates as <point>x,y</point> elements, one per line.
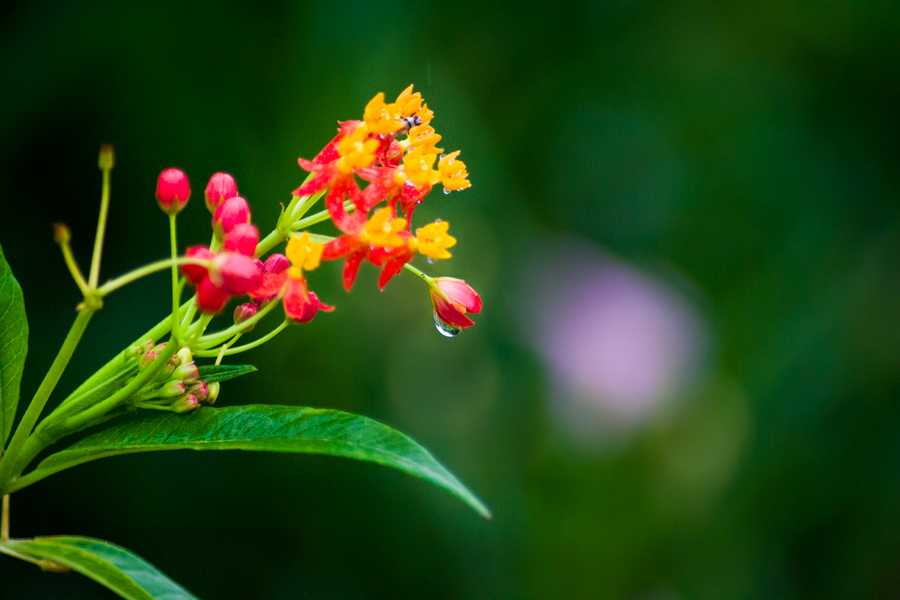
<point>213,392</point>
<point>107,157</point>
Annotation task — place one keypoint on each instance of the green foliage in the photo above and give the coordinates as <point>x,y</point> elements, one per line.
<point>114,567</point>
<point>13,346</point>
<point>213,373</point>
<point>262,428</point>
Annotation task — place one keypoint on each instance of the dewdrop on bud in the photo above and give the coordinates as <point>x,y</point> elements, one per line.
<point>172,191</point>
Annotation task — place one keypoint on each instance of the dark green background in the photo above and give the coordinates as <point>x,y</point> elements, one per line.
<point>750,149</point>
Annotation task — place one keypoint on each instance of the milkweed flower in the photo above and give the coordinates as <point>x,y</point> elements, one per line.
<point>285,274</point>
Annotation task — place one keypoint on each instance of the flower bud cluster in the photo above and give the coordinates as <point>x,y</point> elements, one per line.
<point>176,387</point>
<point>232,270</point>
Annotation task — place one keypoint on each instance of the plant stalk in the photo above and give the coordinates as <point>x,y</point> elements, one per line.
<point>26,425</point>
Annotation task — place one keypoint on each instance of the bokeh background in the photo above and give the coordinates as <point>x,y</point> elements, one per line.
<point>684,226</point>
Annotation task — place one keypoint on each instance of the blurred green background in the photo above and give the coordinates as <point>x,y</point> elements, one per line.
<point>683,224</point>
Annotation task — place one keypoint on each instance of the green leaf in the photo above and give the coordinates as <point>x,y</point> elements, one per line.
<point>114,567</point>
<point>261,427</point>
<point>13,346</point>
<point>211,373</point>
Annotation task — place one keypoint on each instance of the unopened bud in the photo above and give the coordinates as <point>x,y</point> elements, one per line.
<point>107,157</point>
<point>188,373</point>
<point>185,355</point>
<point>61,233</point>
<point>221,187</point>
<point>276,263</point>
<point>185,404</point>
<point>230,213</point>
<point>242,239</point>
<point>199,389</point>
<point>236,273</point>
<point>171,389</point>
<point>211,298</point>
<point>244,312</point>
<point>213,392</point>
<point>148,358</point>
<point>141,349</point>
<point>196,273</point>
<point>172,191</point>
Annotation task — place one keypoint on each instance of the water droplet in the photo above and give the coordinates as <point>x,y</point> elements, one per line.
<point>447,191</point>
<point>436,221</point>
<point>444,329</point>
<point>442,156</point>
<point>430,260</point>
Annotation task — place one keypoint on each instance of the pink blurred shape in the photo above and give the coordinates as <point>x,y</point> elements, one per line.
<point>618,342</point>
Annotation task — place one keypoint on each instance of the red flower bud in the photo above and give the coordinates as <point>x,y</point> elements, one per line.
<point>196,273</point>
<point>242,239</point>
<point>230,213</point>
<point>210,298</point>
<point>220,188</point>
<point>276,263</point>
<point>236,273</point>
<point>172,191</point>
<point>452,298</point>
<point>244,312</point>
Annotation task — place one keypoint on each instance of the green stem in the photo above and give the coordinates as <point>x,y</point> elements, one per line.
<point>245,347</point>
<point>101,408</point>
<point>26,425</point>
<point>4,519</point>
<point>66,247</point>
<point>154,267</point>
<point>101,230</point>
<point>74,403</point>
<point>176,289</point>
<point>425,278</point>
<point>218,337</point>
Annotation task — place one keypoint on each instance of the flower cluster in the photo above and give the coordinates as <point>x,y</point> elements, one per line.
<point>393,151</point>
